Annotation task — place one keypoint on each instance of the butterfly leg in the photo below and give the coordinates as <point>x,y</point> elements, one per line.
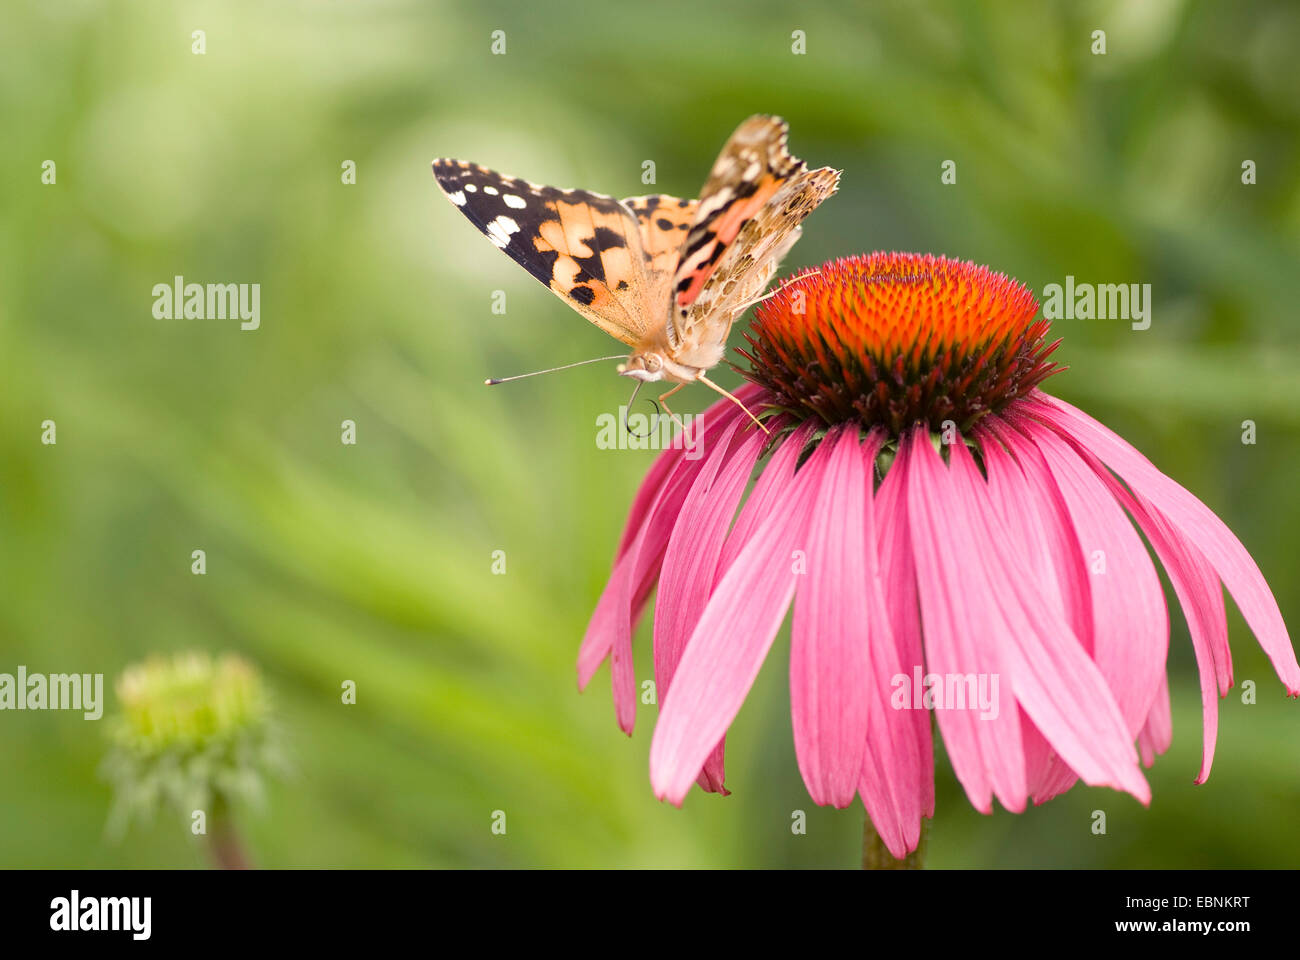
<point>663,397</point>
<point>734,399</point>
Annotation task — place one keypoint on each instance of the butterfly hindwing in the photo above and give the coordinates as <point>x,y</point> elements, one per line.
<point>664,222</point>
<point>752,166</point>
<point>748,264</point>
<point>586,247</point>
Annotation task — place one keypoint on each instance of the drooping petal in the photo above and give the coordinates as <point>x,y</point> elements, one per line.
<point>1040,522</point>
<point>707,431</point>
<point>1038,529</point>
<point>830,638</point>
<point>612,619</point>
<point>695,546</point>
<point>1102,564</point>
<point>1082,722</point>
<point>772,485</point>
<point>730,642</point>
<point>761,501</point>
<point>1192,518</point>
<point>897,764</point>
<point>610,628</point>
<point>962,630</point>
<point>660,471</point>
<point>1201,596</point>
<point>685,445</point>
<point>1051,676</point>
<point>691,560</point>
<point>1130,638</point>
<point>897,577</point>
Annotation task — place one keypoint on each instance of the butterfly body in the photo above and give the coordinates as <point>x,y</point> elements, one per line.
<point>665,275</point>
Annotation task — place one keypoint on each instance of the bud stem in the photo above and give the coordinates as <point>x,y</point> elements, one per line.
<point>226,848</point>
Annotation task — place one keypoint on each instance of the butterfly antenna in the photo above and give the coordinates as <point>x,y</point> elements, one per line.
<point>492,382</point>
<point>631,400</point>
<point>734,399</point>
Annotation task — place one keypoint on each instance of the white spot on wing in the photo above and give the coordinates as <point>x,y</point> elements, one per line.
<point>457,198</point>
<point>515,203</point>
<point>471,188</point>
<point>500,229</point>
<point>491,191</point>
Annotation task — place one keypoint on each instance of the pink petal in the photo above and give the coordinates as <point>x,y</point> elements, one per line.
<point>663,467</point>
<point>961,627</point>
<point>1041,523</point>
<point>761,501</point>
<point>1051,677</point>
<point>691,560</point>
<point>897,763</point>
<point>712,777</point>
<point>654,510</point>
<point>730,642</point>
<point>830,669</point>
<point>711,421</point>
<point>1192,518</point>
<point>897,576</point>
<point>611,622</point>
<point>1038,529</point>
<point>772,486</point>
<point>610,628</point>
<point>1201,596</point>
<point>695,547</point>
<point>1130,639</point>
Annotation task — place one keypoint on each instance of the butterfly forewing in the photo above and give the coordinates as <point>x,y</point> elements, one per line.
<point>586,247</point>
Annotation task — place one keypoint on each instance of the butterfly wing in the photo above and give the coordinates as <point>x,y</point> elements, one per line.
<point>748,264</point>
<point>586,247</point>
<point>747,219</point>
<point>664,221</point>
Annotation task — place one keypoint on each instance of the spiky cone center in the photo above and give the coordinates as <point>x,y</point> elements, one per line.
<point>897,339</point>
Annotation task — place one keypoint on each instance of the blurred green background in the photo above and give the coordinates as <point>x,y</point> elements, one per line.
<point>372,562</point>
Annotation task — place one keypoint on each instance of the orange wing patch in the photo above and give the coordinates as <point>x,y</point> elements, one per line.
<point>664,222</point>
<point>596,256</point>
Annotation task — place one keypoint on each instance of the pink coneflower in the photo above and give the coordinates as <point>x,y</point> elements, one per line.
<point>931,513</point>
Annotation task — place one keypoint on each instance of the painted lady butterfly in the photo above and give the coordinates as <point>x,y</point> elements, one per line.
<point>664,275</point>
